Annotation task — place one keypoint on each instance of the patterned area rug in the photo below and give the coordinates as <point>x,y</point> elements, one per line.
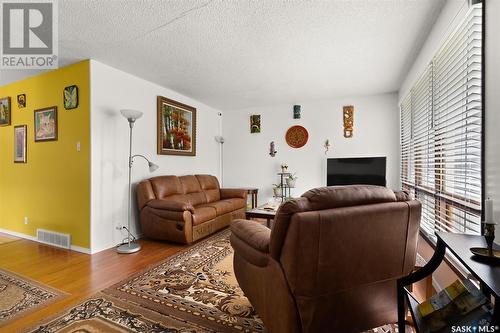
<point>194,291</point>
<point>197,285</point>
<point>105,314</point>
<point>19,296</point>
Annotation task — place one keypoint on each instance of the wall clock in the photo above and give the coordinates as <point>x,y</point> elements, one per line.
<point>296,136</point>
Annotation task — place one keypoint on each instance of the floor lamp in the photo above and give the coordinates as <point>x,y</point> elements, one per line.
<point>130,246</point>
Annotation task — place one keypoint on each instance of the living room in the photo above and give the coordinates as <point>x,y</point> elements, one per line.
<point>250,93</point>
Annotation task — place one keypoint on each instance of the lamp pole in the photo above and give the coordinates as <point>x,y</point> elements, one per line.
<point>130,246</point>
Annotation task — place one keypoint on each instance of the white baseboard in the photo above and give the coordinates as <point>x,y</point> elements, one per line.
<point>34,239</point>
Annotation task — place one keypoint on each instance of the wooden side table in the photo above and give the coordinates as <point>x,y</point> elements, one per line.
<point>260,213</point>
<point>253,193</point>
<point>487,274</point>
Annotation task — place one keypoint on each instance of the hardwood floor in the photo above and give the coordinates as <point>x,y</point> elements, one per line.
<point>77,274</point>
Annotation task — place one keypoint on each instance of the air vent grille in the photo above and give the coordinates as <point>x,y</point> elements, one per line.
<point>53,238</point>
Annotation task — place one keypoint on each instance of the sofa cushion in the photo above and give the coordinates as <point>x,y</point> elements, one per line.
<point>192,190</point>
<point>221,207</point>
<point>209,185</point>
<point>236,203</point>
<point>165,186</point>
<point>203,214</point>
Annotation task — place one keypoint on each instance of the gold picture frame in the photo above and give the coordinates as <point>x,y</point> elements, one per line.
<point>46,128</point>
<point>20,143</point>
<point>176,128</point>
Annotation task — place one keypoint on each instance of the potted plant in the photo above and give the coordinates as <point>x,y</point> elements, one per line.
<point>278,191</point>
<point>284,167</point>
<point>290,181</point>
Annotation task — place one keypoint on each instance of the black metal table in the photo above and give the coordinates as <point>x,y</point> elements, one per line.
<point>486,272</point>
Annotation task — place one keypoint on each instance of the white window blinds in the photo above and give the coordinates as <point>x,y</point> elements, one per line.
<point>441,121</point>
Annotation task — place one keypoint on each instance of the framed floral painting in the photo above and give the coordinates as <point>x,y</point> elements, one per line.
<point>176,128</point>
<point>46,124</point>
<point>20,135</point>
<point>5,111</point>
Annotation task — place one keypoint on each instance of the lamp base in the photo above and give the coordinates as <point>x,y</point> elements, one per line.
<point>126,248</point>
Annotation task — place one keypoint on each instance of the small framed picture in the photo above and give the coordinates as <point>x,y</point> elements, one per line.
<point>5,111</point>
<point>20,136</point>
<point>71,97</point>
<point>255,123</point>
<point>46,124</point>
<point>21,101</point>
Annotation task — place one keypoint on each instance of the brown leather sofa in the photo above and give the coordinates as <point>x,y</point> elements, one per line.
<point>331,261</point>
<point>187,208</point>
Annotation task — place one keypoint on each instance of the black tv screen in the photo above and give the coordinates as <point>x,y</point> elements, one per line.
<point>358,170</point>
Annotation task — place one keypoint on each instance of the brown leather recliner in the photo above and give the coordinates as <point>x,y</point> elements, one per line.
<point>331,261</point>
<point>187,208</point>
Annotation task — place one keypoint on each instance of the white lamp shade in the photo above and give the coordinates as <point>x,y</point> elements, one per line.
<point>152,167</point>
<point>131,114</point>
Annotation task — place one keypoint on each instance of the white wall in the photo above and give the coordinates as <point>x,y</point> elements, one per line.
<point>246,155</point>
<point>451,15</point>
<point>112,90</point>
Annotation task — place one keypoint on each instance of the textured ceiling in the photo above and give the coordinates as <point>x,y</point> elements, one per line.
<point>241,53</point>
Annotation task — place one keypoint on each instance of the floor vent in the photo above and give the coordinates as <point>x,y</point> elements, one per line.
<point>53,238</point>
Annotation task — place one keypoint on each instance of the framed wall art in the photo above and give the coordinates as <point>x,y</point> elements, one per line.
<point>71,97</point>
<point>46,124</point>
<point>5,111</point>
<point>21,101</point>
<point>255,123</point>
<point>20,135</point>
<point>348,114</point>
<point>176,128</point>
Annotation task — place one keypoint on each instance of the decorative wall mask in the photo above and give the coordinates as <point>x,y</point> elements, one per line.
<point>348,121</point>
<point>296,136</point>
<point>255,123</point>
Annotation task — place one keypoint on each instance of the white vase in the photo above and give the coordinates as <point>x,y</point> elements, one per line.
<point>277,191</point>
<point>291,182</point>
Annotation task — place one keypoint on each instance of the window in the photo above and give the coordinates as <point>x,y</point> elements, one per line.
<point>441,133</point>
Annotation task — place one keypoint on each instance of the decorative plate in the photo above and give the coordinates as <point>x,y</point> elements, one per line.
<point>296,136</point>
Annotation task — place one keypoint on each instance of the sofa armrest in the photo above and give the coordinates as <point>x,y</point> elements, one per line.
<point>229,193</point>
<point>175,206</point>
<point>253,234</point>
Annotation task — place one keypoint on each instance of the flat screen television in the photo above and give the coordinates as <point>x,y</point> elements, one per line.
<point>358,170</point>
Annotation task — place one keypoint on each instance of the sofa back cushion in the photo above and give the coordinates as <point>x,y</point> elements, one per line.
<point>193,189</point>
<point>210,185</point>
<point>165,186</point>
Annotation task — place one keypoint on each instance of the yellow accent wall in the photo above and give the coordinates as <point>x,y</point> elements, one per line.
<point>53,188</point>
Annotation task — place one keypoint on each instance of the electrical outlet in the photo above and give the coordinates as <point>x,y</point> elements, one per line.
<point>78,146</point>
<point>26,221</point>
